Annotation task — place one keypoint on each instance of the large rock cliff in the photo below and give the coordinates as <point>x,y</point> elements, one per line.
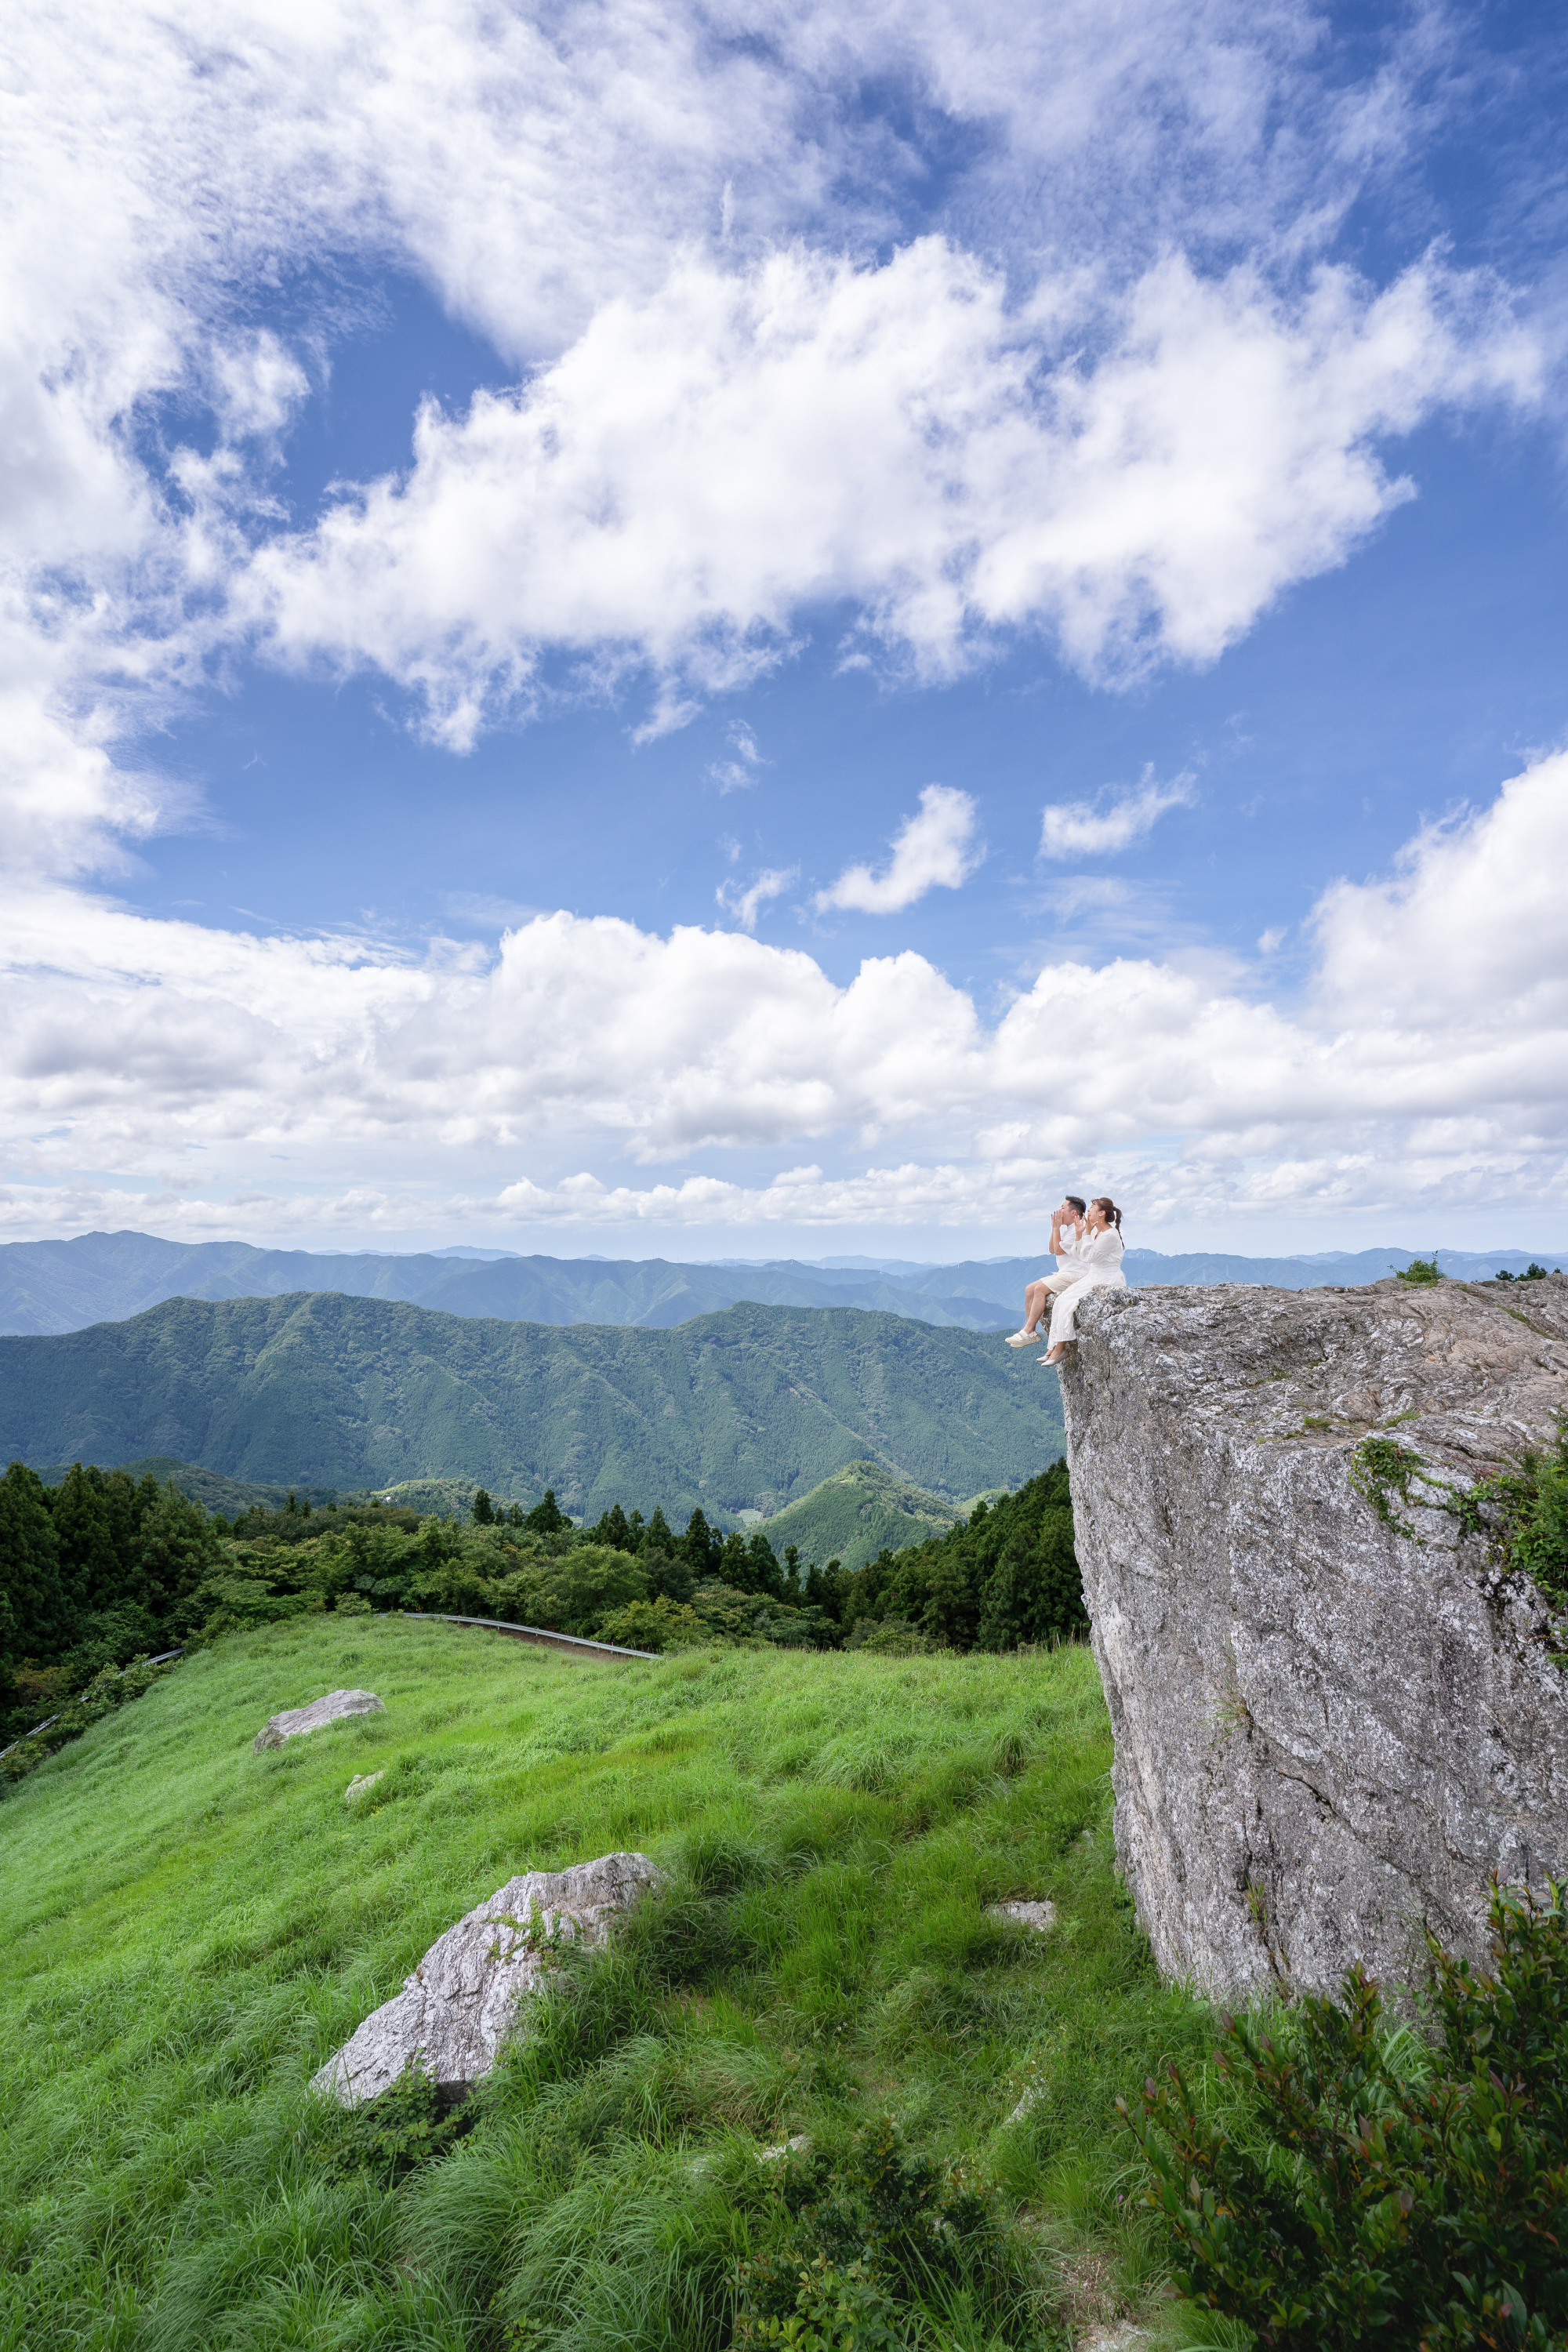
<point>1334,1714</point>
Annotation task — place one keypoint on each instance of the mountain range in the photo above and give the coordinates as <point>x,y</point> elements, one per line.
<point>65,1286</point>
<point>748,1409</point>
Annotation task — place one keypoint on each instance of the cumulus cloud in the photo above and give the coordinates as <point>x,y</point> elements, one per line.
<point>1095,829</point>
<point>934,849</point>
<point>702,465</point>
<point>734,383</point>
<point>1431,1047</point>
<point>1113,390</point>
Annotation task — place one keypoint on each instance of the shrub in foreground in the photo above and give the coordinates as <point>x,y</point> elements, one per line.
<point>1374,2189</point>
<point>876,2240</point>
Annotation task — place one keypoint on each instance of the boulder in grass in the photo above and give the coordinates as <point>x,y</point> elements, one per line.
<point>1040,1917</point>
<point>338,1706</point>
<point>461,2001</point>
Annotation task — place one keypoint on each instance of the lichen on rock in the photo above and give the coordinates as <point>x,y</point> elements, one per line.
<point>1336,1706</point>
<point>462,2000</point>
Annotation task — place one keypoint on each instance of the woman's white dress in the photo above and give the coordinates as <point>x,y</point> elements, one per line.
<point>1096,1266</point>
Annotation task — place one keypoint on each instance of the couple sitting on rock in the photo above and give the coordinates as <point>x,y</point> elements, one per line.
<point>1086,1242</point>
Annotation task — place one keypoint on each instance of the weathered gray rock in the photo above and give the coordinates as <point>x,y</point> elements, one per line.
<point>336,1707</point>
<point>361,1786</point>
<point>458,2006</point>
<point>1331,1725</point>
<point>1040,1917</point>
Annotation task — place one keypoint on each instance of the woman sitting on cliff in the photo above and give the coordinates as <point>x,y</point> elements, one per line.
<point>1095,1266</point>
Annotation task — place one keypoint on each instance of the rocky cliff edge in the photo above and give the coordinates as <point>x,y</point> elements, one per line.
<point>1334,1714</point>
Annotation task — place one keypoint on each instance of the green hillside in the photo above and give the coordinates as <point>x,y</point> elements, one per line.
<point>858,1512</point>
<point>191,1929</point>
<point>747,1409</point>
<point>209,1487</point>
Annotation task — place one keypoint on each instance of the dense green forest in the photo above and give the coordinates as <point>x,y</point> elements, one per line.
<point>747,1410</point>
<point>103,1569</point>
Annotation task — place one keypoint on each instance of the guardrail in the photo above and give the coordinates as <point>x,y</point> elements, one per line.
<point>50,1721</point>
<point>540,1634</point>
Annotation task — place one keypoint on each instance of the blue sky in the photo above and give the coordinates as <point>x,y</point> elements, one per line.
<point>515,519</point>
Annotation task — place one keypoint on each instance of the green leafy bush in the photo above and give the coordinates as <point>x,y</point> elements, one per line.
<point>1368,2188</point>
<point>873,2236</point>
<point>1421,1271</point>
<point>657,1625</point>
<point>1535,1511</point>
<point>389,2136</point>
<point>110,1688</point>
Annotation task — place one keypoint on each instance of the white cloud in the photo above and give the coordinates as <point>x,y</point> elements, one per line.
<point>739,773</point>
<point>1093,829</point>
<point>934,849</point>
<point>1068,409</point>
<point>702,465</point>
<point>771,882</point>
<point>1431,1050</point>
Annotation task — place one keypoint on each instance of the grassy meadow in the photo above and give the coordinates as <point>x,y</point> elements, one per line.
<point>191,1929</point>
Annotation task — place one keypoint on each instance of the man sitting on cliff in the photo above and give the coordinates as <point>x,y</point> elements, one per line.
<point>1067,1247</point>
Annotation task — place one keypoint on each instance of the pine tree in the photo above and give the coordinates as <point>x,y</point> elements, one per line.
<point>764,1566</point>
<point>43,1622</point>
<point>92,1570</point>
<point>178,1547</point>
<point>547,1518</point>
<point>482,1510</point>
<point>701,1546</point>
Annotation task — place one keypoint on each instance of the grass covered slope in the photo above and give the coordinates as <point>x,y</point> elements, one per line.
<point>743,1410</point>
<point>858,1512</point>
<point>191,1929</point>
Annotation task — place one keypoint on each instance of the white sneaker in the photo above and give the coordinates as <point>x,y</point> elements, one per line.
<point>1020,1339</point>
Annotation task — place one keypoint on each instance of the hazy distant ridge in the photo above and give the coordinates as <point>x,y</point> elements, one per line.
<point>65,1286</point>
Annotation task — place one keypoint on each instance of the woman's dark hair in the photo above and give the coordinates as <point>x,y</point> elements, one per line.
<point>1074,1203</point>
<point>1112,1214</point>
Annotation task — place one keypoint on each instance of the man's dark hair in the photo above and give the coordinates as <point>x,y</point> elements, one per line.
<point>1074,1203</point>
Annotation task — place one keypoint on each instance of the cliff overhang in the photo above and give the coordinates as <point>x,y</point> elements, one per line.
<point>1335,1712</point>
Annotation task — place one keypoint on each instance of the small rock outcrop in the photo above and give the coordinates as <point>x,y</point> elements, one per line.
<point>1040,1917</point>
<point>1334,1714</point>
<point>458,2006</point>
<point>336,1707</point>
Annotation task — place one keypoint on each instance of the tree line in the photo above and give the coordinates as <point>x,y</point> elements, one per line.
<point>101,1570</point>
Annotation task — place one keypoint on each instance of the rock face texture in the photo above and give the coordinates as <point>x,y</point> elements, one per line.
<point>294,1720</point>
<point>459,2004</point>
<point>1334,1714</point>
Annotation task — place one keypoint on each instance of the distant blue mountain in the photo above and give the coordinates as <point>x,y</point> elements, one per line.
<point>65,1286</point>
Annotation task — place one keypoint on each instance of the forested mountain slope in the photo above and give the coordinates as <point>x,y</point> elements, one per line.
<point>746,1409</point>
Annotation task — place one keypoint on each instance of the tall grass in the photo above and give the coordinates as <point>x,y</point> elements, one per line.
<point>191,1929</point>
